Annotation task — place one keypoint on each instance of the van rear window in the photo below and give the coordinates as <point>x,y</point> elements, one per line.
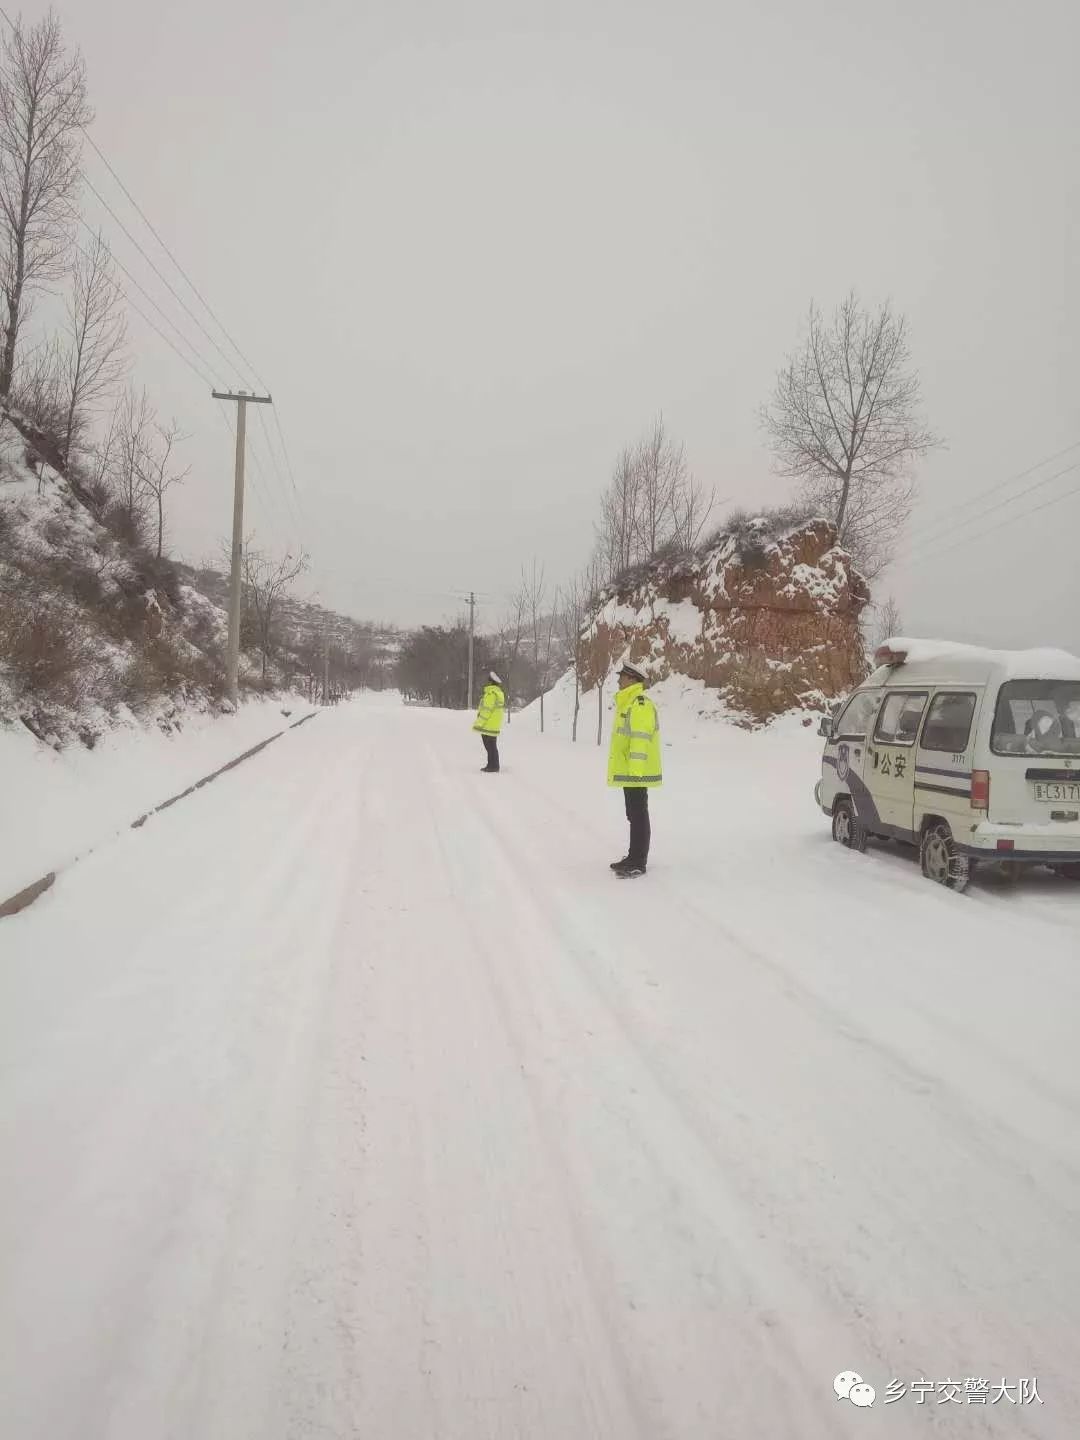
<point>948,724</point>
<point>1037,717</point>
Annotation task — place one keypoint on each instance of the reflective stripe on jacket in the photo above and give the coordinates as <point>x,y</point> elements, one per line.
<point>489,717</point>
<point>634,757</point>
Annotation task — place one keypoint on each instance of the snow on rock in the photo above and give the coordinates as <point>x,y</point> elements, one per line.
<point>766,617</point>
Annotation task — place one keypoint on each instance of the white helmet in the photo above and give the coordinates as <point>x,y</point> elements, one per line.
<point>492,676</point>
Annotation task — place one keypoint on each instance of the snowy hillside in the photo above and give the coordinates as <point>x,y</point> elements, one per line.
<point>94,631</point>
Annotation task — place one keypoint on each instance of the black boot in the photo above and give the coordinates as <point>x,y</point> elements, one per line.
<point>620,864</point>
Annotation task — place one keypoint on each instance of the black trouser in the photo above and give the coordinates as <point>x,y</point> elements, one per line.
<point>637,812</point>
<point>491,745</point>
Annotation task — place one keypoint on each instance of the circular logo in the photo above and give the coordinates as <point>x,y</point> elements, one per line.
<point>843,759</point>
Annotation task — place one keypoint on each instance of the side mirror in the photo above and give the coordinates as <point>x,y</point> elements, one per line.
<point>825,728</point>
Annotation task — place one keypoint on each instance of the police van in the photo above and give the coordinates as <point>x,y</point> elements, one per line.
<point>971,755</point>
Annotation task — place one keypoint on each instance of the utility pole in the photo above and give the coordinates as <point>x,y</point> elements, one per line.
<point>326,671</point>
<point>472,629</point>
<point>232,668</point>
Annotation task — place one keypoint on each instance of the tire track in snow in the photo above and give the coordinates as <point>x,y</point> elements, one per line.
<point>825,1282</point>
<point>662,1130</point>
<point>852,1022</point>
<point>175,1214</point>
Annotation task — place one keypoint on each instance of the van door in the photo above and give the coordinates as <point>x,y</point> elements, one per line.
<point>890,769</point>
<point>845,753</point>
<point>943,760</point>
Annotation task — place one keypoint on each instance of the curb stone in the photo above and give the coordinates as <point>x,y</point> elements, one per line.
<point>26,897</point>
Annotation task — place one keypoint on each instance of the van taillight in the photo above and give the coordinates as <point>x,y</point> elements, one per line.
<point>980,789</point>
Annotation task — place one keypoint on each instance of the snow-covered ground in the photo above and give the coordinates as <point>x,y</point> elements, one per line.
<point>57,804</point>
<point>354,1097</point>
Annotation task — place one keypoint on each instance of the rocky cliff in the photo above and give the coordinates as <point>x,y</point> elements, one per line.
<point>768,615</point>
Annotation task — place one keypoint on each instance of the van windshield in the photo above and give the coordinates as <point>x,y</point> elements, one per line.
<point>1037,717</point>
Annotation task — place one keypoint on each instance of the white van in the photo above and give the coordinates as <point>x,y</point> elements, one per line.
<point>970,754</point>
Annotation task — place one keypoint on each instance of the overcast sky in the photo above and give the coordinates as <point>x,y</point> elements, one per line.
<point>474,247</point>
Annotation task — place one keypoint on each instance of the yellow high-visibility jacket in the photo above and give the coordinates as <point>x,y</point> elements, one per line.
<point>489,717</point>
<point>634,757</point>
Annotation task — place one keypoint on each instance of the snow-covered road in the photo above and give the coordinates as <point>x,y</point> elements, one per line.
<point>354,1098</point>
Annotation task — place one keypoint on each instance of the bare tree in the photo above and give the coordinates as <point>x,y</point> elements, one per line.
<point>38,393</point>
<point>691,510</point>
<point>652,502</point>
<point>158,471</point>
<point>43,108</point>
<point>96,333</point>
<point>548,630</point>
<point>573,617</point>
<point>267,582</point>
<point>535,589</point>
<point>844,421</point>
<point>135,421</point>
<point>101,462</point>
<point>511,635</point>
<point>661,470</point>
<point>887,622</point>
<point>616,535</point>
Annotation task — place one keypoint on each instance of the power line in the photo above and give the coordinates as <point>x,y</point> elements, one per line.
<point>290,502</point>
<point>270,513</point>
<point>285,450</point>
<point>280,489</point>
<point>1001,505</point>
<point>178,298</point>
<point>926,527</point>
<point>295,519</point>
<point>146,221</point>
<point>231,364</point>
<point>142,289</point>
<point>1009,520</point>
<point>191,283</point>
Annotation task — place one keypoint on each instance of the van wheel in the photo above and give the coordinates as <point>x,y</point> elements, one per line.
<point>847,828</point>
<point>940,860</point>
<point>1068,871</point>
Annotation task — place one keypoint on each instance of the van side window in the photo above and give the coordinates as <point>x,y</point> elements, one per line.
<point>900,716</point>
<point>854,723</point>
<point>948,725</point>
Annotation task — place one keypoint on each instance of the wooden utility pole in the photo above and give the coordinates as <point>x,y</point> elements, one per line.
<point>232,666</point>
<point>472,629</point>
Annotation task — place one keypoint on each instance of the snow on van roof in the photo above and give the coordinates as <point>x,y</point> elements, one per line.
<point>1038,664</point>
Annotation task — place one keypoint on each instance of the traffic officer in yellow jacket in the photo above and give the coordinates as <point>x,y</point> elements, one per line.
<point>489,718</point>
<point>634,765</point>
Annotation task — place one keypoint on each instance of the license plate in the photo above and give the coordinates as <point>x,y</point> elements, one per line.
<point>1054,791</point>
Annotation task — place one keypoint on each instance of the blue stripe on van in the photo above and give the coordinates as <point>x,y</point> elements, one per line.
<point>830,760</point>
<point>950,774</point>
<point>944,790</point>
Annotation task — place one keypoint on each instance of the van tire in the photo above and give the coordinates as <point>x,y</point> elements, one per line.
<point>1068,871</point>
<point>847,828</point>
<point>940,860</point>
